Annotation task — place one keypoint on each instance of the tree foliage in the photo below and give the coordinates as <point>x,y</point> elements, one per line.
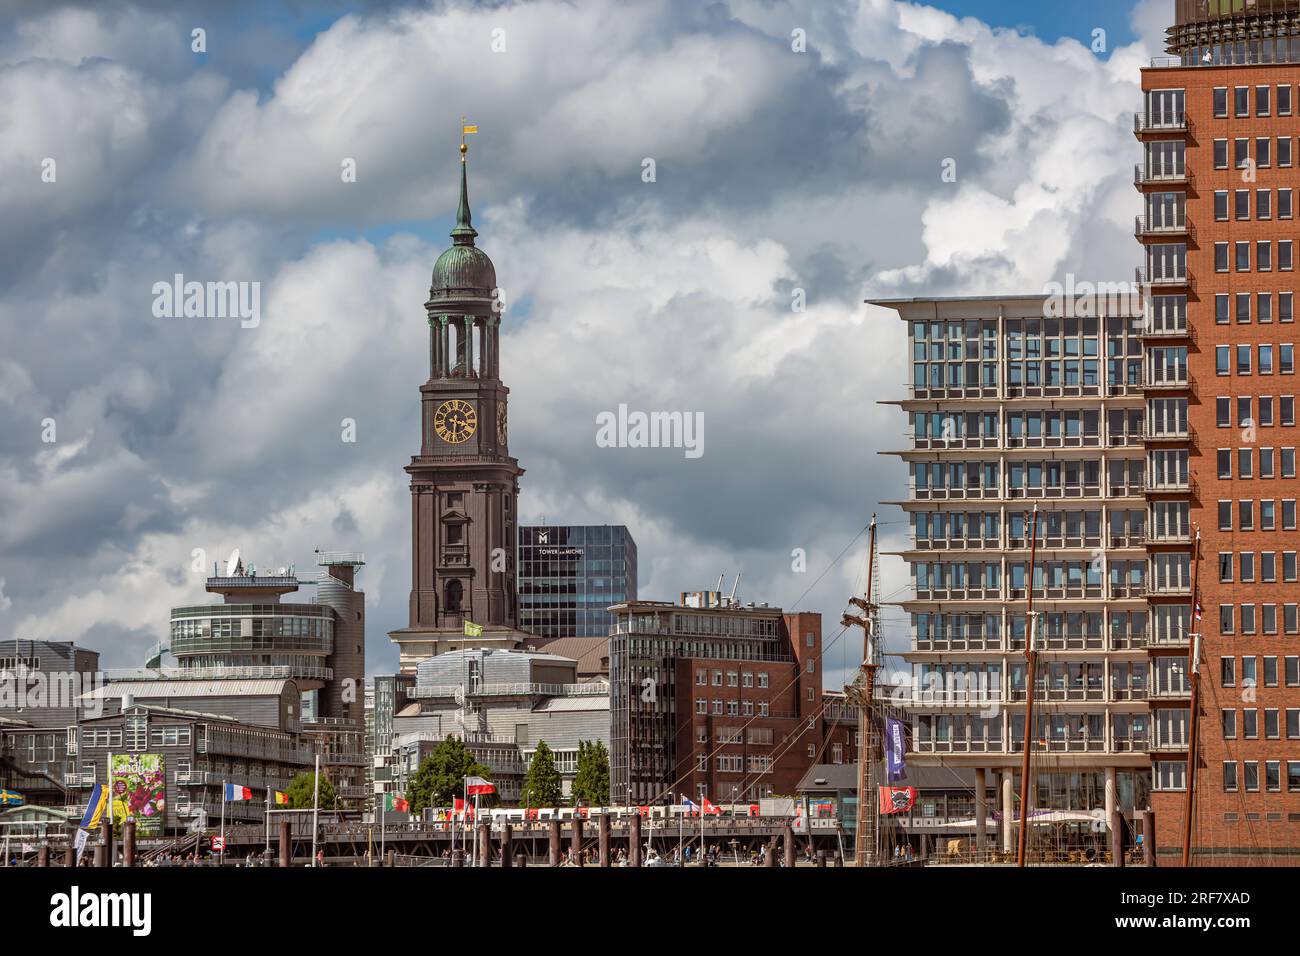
<point>302,789</point>
<point>591,784</point>
<point>542,782</point>
<point>441,775</point>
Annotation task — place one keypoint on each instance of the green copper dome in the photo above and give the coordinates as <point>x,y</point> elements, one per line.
<point>464,266</point>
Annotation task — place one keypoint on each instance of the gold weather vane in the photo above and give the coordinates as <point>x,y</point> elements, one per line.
<point>465,130</point>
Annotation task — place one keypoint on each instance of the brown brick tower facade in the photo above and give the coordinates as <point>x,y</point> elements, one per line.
<point>464,484</point>
<point>1221,178</point>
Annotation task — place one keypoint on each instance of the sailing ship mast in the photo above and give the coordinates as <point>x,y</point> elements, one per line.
<point>1194,675</point>
<point>1031,661</point>
<point>863,692</point>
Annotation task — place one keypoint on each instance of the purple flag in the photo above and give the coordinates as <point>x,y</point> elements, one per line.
<point>895,750</point>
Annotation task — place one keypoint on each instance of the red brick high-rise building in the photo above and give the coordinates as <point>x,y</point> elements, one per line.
<point>1220,179</point>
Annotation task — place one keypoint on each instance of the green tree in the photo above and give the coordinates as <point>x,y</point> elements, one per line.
<point>591,784</point>
<point>542,782</point>
<point>302,789</point>
<point>441,775</point>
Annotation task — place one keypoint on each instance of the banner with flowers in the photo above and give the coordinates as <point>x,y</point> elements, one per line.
<point>138,788</point>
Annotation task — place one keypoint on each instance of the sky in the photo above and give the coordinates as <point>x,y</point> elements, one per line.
<point>799,150</point>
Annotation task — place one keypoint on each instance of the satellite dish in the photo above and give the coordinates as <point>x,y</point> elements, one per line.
<point>232,562</point>
<point>282,571</point>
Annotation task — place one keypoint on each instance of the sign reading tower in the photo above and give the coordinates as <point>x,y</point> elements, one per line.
<point>464,484</point>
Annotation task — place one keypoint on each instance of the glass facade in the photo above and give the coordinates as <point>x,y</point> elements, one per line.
<point>570,575</point>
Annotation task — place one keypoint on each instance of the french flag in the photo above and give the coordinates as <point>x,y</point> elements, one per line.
<point>234,792</point>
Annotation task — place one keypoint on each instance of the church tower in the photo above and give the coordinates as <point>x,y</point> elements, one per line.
<point>464,484</point>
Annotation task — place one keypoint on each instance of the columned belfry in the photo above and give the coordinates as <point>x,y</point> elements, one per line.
<point>464,484</point>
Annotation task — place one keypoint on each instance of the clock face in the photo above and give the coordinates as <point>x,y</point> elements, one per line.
<point>501,424</point>
<point>455,421</point>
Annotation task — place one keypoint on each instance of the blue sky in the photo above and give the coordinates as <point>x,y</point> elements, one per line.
<point>1053,19</point>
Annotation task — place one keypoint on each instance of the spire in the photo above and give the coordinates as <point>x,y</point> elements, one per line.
<point>464,233</point>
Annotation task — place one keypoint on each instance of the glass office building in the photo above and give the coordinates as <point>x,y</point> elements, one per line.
<point>570,575</point>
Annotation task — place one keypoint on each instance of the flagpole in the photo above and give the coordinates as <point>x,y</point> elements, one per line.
<point>681,835</point>
<point>315,809</point>
<point>383,822</point>
<point>703,858</point>
<point>221,854</point>
<point>266,819</point>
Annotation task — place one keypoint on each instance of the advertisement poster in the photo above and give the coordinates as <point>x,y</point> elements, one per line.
<point>138,788</point>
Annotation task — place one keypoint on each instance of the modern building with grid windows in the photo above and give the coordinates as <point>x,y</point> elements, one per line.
<point>1016,401</point>
<point>570,575</point>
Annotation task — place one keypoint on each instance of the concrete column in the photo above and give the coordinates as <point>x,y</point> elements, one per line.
<point>604,839</point>
<point>284,843</point>
<point>1008,812</point>
<point>769,855</point>
<point>1148,838</point>
<point>981,786</point>
<point>484,844</point>
<point>69,856</point>
<point>1112,799</point>
<point>507,846</point>
<point>458,857</point>
<point>789,845</point>
<point>634,840</point>
<point>43,856</point>
<point>555,843</point>
<point>128,843</point>
<point>390,859</point>
<point>576,850</point>
<point>821,859</point>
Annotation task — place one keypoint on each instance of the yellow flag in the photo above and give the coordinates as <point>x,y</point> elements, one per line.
<point>473,630</point>
<point>469,129</point>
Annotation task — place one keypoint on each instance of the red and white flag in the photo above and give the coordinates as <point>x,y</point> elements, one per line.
<point>897,799</point>
<point>475,786</point>
<point>710,808</point>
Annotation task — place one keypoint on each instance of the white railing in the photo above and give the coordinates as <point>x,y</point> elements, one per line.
<point>506,690</point>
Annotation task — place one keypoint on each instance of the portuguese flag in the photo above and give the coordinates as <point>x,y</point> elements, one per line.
<point>396,802</point>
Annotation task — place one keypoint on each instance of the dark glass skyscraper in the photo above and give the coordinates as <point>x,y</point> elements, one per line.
<point>570,575</point>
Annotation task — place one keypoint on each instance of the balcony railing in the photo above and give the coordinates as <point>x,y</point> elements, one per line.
<point>511,690</point>
<point>1143,176</point>
<point>1168,121</point>
<point>1186,485</point>
<point>1165,281</point>
<point>1186,433</point>
<point>947,645</point>
<point>1143,229</point>
<point>1166,329</point>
